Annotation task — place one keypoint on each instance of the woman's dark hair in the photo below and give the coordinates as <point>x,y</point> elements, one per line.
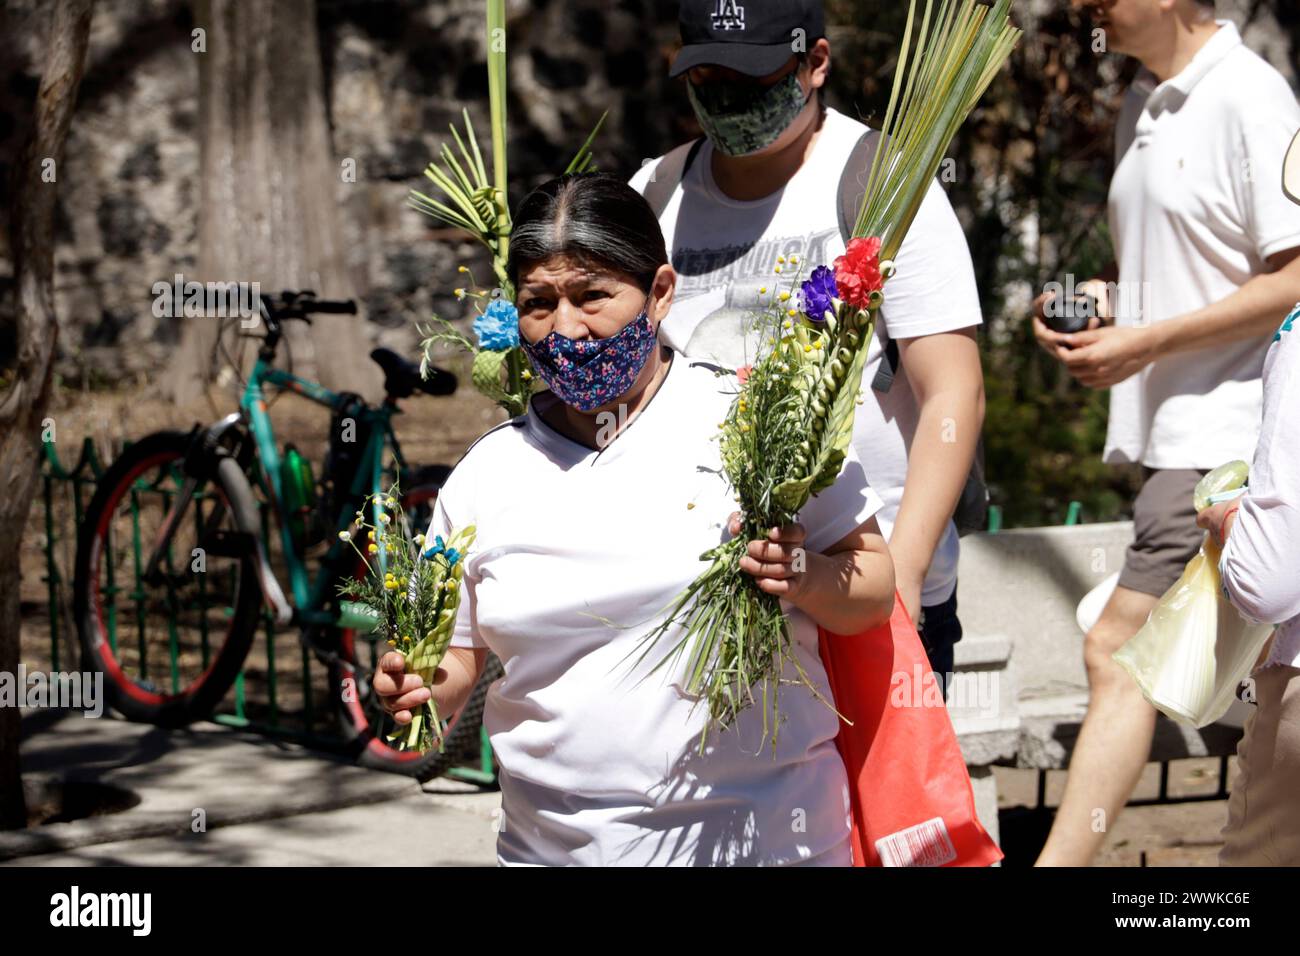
<point>595,218</point>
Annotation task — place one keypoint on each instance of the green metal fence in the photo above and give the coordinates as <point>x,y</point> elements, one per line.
<point>278,666</point>
<point>278,692</point>
<point>1073,516</point>
<point>80,482</point>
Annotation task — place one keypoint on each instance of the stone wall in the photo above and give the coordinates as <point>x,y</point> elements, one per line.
<point>398,72</point>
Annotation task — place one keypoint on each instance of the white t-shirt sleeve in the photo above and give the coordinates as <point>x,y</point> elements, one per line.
<point>1272,221</point>
<point>641,178</point>
<point>1258,566</point>
<point>449,515</point>
<point>934,289</point>
<point>841,508</point>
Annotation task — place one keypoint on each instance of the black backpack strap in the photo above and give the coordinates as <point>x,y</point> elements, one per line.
<point>853,186</point>
<point>690,156</point>
<point>853,183</point>
<point>884,379</point>
<point>668,172</point>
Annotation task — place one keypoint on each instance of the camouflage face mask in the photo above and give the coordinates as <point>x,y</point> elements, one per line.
<point>742,118</point>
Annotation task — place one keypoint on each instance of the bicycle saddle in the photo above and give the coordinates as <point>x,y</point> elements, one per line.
<point>402,378</point>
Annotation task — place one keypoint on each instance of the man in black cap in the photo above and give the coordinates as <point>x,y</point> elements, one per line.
<point>759,199</point>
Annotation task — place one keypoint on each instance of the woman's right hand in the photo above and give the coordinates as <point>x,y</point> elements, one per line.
<point>1047,339</point>
<point>400,692</point>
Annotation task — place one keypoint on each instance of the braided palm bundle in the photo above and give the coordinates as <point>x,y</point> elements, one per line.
<point>787,433</point>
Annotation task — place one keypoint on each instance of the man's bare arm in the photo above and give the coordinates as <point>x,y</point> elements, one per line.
<point>945,375</point>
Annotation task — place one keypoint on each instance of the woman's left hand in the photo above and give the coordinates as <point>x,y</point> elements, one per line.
<point>777,562</point>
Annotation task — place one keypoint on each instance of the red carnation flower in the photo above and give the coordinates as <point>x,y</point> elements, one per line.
<point>857,272</point>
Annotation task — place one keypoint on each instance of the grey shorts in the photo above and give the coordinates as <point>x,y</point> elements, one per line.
<point>1165,536</point>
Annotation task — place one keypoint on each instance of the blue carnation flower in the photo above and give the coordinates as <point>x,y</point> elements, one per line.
<point>816,293</point>
<point>498,328</point>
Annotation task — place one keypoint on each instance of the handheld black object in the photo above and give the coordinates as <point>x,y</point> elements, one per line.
<point>1069,314</point>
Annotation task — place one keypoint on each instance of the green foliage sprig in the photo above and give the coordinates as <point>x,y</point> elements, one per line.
<point>412,588</point>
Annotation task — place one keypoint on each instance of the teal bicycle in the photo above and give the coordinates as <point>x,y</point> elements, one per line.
<point>173,569</point>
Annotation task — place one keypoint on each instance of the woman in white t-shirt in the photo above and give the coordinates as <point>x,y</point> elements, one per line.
<point>592,510</point>
<point>1260,535</point>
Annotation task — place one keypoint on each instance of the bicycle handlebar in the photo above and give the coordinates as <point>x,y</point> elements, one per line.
<point>347,307</point>
<point>301,305</point>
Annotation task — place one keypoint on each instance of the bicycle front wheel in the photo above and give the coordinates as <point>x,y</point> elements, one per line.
<point>169,643</point>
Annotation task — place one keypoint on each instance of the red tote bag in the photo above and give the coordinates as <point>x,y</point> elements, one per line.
<point>910,794</point>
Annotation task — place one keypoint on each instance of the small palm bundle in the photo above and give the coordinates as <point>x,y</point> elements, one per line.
<point>411,590</point>
<point>788,430</point>
<point>473,202</point>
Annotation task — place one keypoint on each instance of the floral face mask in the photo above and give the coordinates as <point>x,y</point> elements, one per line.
<point>588,373</point>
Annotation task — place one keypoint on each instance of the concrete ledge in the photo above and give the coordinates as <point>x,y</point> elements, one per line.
<point>982,700</point>
<point>1024,585</point>
<point>981,651</point>
<point>1049,727</point>
<point>984,788</point>
<point>985,743</point>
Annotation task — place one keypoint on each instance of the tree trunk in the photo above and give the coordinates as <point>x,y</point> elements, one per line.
<point>23,409</point>
<point>268,201</point>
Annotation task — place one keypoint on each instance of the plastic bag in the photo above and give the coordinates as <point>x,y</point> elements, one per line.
<point>910,798</point>
<point>1195,648</point>
<point>1088,612</point>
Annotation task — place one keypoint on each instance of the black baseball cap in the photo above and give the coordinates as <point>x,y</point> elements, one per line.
<point>754,37</point>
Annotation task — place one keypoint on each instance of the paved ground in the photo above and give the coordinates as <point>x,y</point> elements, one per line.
<point>262,802</point>
<point>355,836</point>
<point>267,803</point>
<point>1176,834</point>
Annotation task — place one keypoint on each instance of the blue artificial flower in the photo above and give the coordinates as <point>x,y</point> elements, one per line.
<point>452,557</point>
<point>498,328</point>
<point>816,293</point>
<point>438,547</point>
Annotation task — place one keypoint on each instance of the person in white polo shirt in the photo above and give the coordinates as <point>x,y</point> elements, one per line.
<point>1260,535</point>
<point>762,192</point>
<point>1206,259</point>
